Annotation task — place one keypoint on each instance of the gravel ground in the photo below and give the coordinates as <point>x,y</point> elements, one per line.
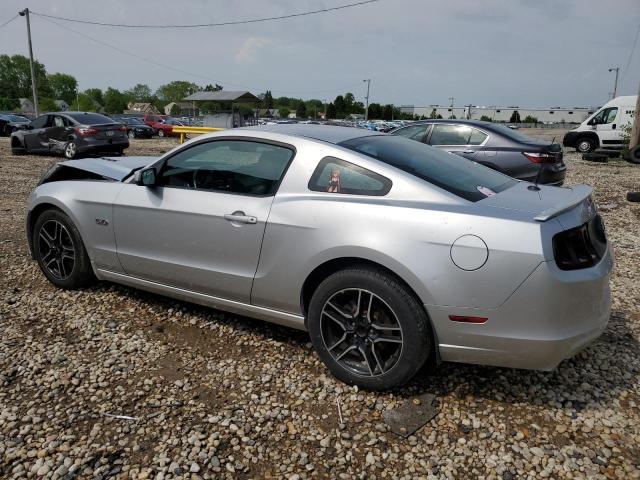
<point>214,395</point>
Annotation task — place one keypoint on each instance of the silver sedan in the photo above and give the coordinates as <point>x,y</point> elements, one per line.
<point>389,252</point>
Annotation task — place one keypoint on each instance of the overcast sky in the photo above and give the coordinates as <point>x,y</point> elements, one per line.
<point>416,52</point>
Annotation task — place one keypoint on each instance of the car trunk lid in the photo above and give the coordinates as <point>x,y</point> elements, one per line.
<point>541,202</point>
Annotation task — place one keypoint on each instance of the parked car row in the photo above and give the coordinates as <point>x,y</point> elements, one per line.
<point>10,122</point>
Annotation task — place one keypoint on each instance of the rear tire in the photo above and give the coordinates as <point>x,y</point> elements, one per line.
<point>585,145</point>
<point>131,134</point>
<point>384,344</point>
<point>595,157</point>
<point>161,133</point>
<point>60,252</point>
<point>70,150</point>
<point>634,155</point>
<point>17,148</point>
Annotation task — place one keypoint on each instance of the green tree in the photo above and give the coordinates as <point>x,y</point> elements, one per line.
<point>375,111</point>
<point>484,118</point>
<point>95,94</point>
<point>331,111</point>
<point>175,91</point>
<point>284,112</point>
<point>387,112</point>
<point>114,101</point>
<point>267,101</point>
<point>175,110</point>
<point>84,103</point>
<point>341,106</point>
<point>349,102</point>
<point>15,78</point>
<point>212,88</point>
<point>140,93</point>
<point>452,117</point>
<point>63,87</point>
<point>48,105</point>
<point>301,111</point>
<point>434,114</point>
<point>515,117</point>
<point>530,119</point>
<point>9,103</point>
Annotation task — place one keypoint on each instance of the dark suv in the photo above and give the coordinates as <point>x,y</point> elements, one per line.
<point>70,134</point>
<point>493,145</point>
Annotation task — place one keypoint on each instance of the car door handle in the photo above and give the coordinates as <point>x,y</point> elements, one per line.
<point>240,217</point>
<point>468,151</point>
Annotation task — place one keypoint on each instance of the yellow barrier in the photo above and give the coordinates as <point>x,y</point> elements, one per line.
<point>183,130</point>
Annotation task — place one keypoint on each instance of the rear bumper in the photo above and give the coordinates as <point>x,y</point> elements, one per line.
<point>549,318</point>
<point>102,145</point>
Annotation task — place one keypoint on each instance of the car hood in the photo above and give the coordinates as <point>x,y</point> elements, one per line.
<point>116,168</point>
<point>542,204</point>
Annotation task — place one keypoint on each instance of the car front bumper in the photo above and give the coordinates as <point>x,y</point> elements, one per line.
<point>550,317</point>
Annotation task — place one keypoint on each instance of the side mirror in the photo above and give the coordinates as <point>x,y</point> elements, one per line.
<point>146,177</point>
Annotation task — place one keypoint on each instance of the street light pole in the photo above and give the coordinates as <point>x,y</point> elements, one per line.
<point>25,13</point>
<point>615,84</point>
<point>366,108</point>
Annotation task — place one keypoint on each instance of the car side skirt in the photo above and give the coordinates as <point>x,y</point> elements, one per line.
<point>262,313</point>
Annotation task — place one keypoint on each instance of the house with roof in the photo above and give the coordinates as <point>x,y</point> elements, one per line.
<point>142,107</point>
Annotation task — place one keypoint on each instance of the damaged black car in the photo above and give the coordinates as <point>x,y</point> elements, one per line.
<point>71,134</point>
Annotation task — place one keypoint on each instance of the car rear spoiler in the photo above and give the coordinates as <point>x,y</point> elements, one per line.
<point>579,194</point>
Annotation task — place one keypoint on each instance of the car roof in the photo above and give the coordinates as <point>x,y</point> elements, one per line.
<point>326,133</point>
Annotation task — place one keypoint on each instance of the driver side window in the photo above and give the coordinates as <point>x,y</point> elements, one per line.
<point>233,166</point>
<point>608,115</point>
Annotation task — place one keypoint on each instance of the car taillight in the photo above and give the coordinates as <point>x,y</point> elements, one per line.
<point>580,247</point>
<point>540,157</point>
<point>86,131</point>
<point>122,129</point>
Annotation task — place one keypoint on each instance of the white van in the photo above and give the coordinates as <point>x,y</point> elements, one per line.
<point>604,128</point>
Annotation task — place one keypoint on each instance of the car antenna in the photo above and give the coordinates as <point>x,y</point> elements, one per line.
<point>535,187</point>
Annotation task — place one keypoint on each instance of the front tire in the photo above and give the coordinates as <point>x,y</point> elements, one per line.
<point>60,252</point>
<point>368,329</point>
<point>161,133</point>
<point>131,134</point>
<point>586,145</point>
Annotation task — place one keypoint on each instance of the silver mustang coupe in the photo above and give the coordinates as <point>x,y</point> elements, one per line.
<point>387,251</point>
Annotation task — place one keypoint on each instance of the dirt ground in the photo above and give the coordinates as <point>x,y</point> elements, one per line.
<point>213,395</point>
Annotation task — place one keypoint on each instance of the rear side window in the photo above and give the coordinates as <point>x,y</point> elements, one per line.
<point>333,175</point>
<point>414,132</point>
<point>456,135</point>
<point>452,173</point>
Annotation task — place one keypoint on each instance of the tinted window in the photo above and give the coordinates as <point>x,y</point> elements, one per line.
<point>228,165</point>
<point>608,115</point>
<point>453,173</point>
<point>90,118</point>
<point>477,137</point>
<point>456,135</point>
<point>337,176</point>
<point>512,134</point>
<point>39,122</point>
<point>414,132</point>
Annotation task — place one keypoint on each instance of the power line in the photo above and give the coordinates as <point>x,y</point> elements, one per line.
<point>9,21</point>
<point>220,24</point>
<point>163,65</point>
<point>633,49</point>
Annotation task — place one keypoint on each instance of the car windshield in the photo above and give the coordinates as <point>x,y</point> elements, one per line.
<point>89,118</point>
<point>453,173</point>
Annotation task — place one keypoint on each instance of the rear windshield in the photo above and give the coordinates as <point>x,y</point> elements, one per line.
<point>89,118</point>
<point>513,134</point>
<point>453,173</point>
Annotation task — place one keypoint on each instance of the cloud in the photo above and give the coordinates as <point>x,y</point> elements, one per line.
<point>247,51</point>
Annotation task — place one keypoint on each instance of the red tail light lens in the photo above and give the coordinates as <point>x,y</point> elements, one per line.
<point>540,157</point>
<point>580,247</point>
<point>86,131</point>
<point>122,129</point>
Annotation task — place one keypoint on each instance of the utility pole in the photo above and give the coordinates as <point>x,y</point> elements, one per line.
<point>25,13</point>
<point>615,84</point>
<point>451,99</point>
<point>366,108</point>
<point>469,111</point>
